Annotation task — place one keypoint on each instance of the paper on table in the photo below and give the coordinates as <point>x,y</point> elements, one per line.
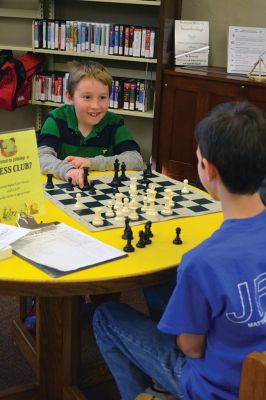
<point>9,234</point>
<point>64,248</point>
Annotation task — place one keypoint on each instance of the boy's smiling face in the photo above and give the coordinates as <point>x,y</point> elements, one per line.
<point>91,101</point>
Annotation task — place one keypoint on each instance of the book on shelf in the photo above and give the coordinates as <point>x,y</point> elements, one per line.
<point>127,94</point>
<point>95,37</point>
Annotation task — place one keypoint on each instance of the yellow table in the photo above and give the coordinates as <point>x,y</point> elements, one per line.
<point>56,355</point>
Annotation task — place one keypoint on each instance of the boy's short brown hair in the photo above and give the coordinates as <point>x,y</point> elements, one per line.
<point>87,69</point>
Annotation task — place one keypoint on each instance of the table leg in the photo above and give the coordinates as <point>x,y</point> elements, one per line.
<point>58,347</point>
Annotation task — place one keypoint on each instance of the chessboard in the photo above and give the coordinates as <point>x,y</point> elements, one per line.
<point>194,203</point>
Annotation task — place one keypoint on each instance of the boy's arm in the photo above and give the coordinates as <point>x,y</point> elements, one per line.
<point>51,164</point>
<point>132,159</point>
<point>191,345</point>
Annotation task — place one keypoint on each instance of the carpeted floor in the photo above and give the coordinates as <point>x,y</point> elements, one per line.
<point>13,368</point>
<point>15,371</point>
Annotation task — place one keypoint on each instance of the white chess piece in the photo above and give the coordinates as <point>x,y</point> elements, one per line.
<point>78,204</point>
<point>145,204</point>
<point>166,210</point>
<point>133,215</point>
<point>169,193</point>
<point>151,211</point>
<point>119,214</point>
<point>118,202</point>
<point>125,209</point>
<point>185,189</point>
<point>97,220</point>
<point>109,211</point>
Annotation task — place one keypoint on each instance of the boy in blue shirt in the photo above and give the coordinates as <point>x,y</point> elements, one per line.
<point>216,314</point>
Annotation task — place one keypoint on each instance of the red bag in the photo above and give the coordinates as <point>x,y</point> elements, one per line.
<point>15,78</point>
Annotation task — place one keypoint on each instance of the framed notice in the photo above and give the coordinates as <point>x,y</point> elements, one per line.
<point>246,45</point>
<point>21,188</point>
<point>191,42</point>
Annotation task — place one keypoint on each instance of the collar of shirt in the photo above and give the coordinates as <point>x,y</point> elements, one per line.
<point>73,124</point>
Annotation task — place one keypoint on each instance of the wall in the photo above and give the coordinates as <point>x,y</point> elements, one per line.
<point>221,14</point>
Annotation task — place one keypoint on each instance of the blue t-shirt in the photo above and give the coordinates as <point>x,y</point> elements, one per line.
<point>221,293</point>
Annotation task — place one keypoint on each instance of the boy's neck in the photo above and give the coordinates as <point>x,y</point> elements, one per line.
<point>85,130</point>
<point>241,206</point>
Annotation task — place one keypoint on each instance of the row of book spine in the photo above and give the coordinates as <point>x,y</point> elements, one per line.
<point>131,94</point>
<point>128,94</point>
<point>93,37</point>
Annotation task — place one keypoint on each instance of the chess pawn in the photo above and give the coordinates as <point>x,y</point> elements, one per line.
<point>177,239</point>
<point>125,209</point>
<point>145,204</point>
<point>185,189</point>
<point>109,212</point>
<point>119,218</point>
<point>97,220</point>
<point>151,211</point>
<point>78,204</point>
<point>133,210</point>
<point>118,202</point>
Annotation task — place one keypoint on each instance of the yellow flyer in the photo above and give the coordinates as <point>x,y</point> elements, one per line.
<point>21,188</point>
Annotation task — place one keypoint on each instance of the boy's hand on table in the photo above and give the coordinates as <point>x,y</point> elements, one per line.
<point>77,175</point>
<point>79,162</point>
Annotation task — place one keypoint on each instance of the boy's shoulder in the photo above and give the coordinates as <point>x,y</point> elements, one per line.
<point>63,112</point>
<point>234,238</point>
<point>112,118</point>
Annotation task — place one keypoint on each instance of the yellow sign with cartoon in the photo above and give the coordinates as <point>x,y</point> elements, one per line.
<point>21,188</point>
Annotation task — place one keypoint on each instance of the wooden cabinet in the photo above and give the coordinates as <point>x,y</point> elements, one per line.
<point>187,96</point>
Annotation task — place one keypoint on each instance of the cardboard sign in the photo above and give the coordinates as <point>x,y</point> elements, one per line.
<point>21,188</point>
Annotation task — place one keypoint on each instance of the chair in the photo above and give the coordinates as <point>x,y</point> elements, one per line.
<point>253,377</point>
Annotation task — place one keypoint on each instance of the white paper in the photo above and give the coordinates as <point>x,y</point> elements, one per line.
<point>64,248</point>
<point>245,46</point>
<point>191,42</point>
<point>9,234</point>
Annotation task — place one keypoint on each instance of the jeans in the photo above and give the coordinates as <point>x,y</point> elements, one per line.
<point>136,351</point>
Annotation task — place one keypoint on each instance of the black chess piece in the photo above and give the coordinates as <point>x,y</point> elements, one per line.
<point>86,185</point>
<point>128,247</point>
<point>69,186</point>
<point>177,239</point>
<point>146,238</point>
<point>92,190</point>
<point>144,181</point>
<point>116,188</point>
<point>127,229</point>
<point>147,228</point>
<point>141,243</point>
<point>49,183</point>
<point>123,176</point>
<point>116,181</point>
<point>148,169</point>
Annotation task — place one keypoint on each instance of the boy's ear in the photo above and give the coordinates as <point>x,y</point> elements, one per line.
<point>210,169</point>
<point>69,98</point>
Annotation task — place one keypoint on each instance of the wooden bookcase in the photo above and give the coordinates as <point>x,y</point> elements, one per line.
<point>16,34</point>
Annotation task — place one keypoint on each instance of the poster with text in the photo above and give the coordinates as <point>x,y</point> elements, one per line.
<point>21,189</point>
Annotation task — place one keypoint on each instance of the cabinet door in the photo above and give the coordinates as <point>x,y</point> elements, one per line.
<point>176,152</point>
<point>185,101</point>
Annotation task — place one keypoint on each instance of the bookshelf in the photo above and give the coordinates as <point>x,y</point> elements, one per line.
<point>16,33</point>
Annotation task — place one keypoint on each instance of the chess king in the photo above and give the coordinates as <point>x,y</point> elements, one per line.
<point>83,133</point>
